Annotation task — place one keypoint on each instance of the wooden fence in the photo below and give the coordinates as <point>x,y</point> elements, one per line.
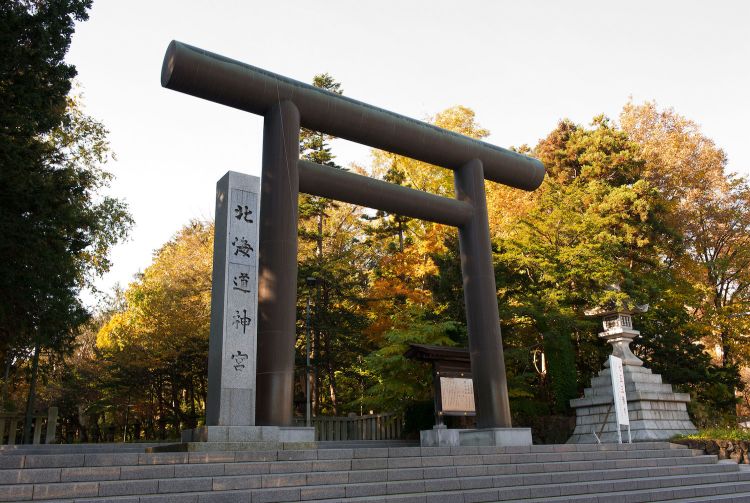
<point>11,427</point>
<point>386,426</point>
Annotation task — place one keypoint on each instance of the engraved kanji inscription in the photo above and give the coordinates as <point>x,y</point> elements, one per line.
<point>243,213</point>
<point>242,247</point>
<point>239,361</point>
<point>242,282</point>
<point>241,320</point>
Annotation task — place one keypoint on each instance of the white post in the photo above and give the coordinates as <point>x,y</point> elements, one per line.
<point>618,393</point>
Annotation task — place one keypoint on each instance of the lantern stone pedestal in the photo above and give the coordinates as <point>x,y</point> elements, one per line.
<point>656,412</point>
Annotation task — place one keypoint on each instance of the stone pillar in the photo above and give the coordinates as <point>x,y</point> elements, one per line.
<point>277,280</point>
<point>480,297</point>
<point>234,294</point>
<point>231,404</point>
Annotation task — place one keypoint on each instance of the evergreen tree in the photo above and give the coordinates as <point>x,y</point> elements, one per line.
<point>55,229</point>
<point>328,235</point>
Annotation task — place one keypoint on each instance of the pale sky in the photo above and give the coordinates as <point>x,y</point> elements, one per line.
<point>522,66</point>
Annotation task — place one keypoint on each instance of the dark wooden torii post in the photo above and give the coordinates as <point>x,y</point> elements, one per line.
<point>287,105</point>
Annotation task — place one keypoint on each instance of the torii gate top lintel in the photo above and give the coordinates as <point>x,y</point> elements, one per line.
<point>239,85</point>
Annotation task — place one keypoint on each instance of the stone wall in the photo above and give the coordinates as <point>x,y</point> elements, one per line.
<point>736,450</point>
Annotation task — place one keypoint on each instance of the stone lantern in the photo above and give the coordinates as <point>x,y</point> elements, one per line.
<point>618,330</point>
<point>655,411</point>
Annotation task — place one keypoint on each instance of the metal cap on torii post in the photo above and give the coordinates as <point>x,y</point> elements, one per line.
<point>287,105</point>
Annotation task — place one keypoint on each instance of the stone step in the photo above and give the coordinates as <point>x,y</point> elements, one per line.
<point>507,475</point>
<point>583,452</point>
<point>725,493</point>
<point>24,449</point>
<point>722,498</point>
<point>580,493</point>
<point>375,482</point>
<point>376,445</point>
<point>365,444</point>
<point>429,467</point>
<point>104,469</point>
<point>353,474</point>
<point>631,491</point>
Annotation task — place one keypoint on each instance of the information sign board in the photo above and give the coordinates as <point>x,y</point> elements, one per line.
<point>457,394</point>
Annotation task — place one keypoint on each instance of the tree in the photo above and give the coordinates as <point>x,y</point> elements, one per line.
<point>411,260</point>
<point>328,233</point>
<point>670,346</point>
<point>405,248</point>
<point>711,210</point>
<point>157,344</point>
<point>56,229</point>
<point>594,223</point>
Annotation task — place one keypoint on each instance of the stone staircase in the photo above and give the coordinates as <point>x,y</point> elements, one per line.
<point>649,471</point>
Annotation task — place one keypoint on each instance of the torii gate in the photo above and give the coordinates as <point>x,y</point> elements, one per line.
<point>287,105</point>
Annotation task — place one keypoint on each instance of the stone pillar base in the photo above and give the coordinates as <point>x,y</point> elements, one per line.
<point>249,434</point>
<point>496,437</point>
<point>440,436</point>
<point>241,438</point>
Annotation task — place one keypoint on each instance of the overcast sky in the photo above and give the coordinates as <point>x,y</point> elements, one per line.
<point>522,66</point>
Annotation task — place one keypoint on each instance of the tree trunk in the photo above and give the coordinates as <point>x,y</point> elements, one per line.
<point>726,357</point>
<point>319,238</point>
<point>332,388</point>
<point>176,409</point>
<point>400,235</point>
<point>6,378</point>
<point>27,426</point>
<point>329,352</point>
<point>162,420</point>
<point>314,395</point>
<point>193,415</point>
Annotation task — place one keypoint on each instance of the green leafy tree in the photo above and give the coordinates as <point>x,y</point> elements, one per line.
<point>398,381</point>
<point>594,223</point>
<point>670,346</point>
<point>56,228</point>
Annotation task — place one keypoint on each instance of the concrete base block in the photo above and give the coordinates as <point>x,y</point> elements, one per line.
<point>296,434</point>
<point>249,434</point>
<point>243,438</point>
<point>232,446</point>
<point>499,437</point>
<point>439,436</point>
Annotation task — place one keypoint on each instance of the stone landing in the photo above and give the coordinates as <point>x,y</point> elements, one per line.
<point>656,412</point>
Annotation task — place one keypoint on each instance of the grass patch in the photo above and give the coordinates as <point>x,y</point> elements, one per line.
<point>734,434</point>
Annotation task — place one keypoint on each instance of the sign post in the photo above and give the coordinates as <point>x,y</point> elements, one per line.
<point>618,392</point>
